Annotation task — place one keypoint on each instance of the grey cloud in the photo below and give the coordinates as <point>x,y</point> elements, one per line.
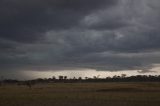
<point>26,21</point>
<point>105,35</point>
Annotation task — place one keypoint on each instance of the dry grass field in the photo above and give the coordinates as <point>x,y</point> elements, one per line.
<point>82,94</point>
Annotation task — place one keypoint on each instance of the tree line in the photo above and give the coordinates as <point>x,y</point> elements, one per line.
<point>94,79</point>
<point>122,78</point>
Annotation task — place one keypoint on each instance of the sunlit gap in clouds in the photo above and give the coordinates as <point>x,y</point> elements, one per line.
<point>85,73</point>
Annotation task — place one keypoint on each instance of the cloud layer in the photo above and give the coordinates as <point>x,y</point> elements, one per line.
<point>109,35</point>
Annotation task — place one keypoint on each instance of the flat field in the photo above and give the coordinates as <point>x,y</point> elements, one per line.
<point>82,94</point>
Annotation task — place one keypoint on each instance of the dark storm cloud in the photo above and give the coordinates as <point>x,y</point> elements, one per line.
<point>27,21</point>
<point>108,35</point>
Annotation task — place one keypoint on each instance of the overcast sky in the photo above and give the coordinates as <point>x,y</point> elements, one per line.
<point>101,35</point>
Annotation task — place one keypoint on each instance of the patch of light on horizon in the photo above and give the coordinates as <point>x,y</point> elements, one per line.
<point>86,73</point>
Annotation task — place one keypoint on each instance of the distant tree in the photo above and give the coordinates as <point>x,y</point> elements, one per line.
<point>96,77</point>
<point>53,78</point>
<point>123,75</point>
<point>60,77</point>
<point>115,76</point>
<point>65,77</point>
<point>86,78</point>
<point>108,77</point>
<point>74,78</point>
<point>80,78</point>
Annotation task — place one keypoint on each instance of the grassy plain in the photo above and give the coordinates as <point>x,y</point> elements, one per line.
<point>82,94</point>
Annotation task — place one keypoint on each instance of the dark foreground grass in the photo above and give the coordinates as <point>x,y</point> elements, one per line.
<point>82,94</point>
